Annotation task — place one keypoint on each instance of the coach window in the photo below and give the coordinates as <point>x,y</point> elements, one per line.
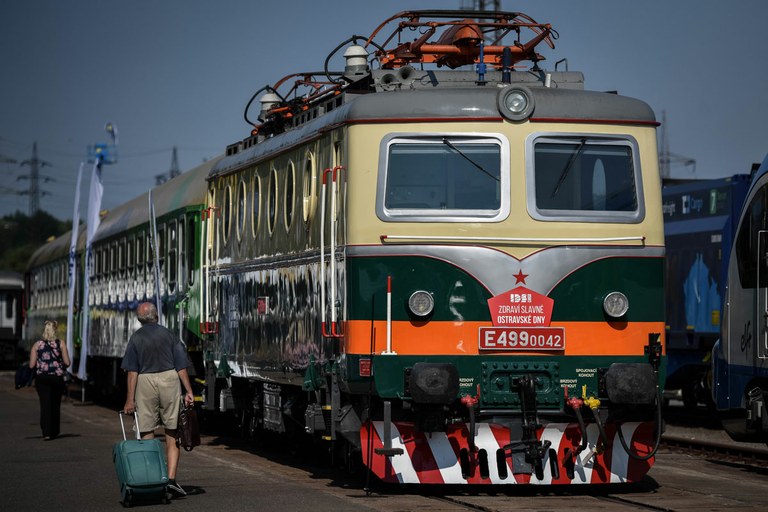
<point>588,178</point>
<point>55,285</point>
<point>140,253</point>
<point>337,163</point>
<point>96,263</point>
<point>172,265</point>
<point>130,257</point>
<point>751,243</point>
<point>129,254</point>
<point>149,258</point>
<point>443,178</point>
<point>113,259</point>
<point>182,258</point>
<point>189,242</point>
<point>161,247</point>
<point>272,201</point>
<point>227,213</point>
<point>121,260</point>
<point>10,305</point>
<point>241,209</point>
<point>309,187</point>
<point>289,199</point>
<point>256,205</point>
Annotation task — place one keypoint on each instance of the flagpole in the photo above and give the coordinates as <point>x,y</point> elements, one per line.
<point>72,277</point>
<point>100,154</point>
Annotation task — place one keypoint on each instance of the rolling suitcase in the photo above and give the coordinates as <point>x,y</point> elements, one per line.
<point>141,468</point>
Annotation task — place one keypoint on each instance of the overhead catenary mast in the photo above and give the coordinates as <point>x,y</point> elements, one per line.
<point>34,177</point>
<point>666,157</point>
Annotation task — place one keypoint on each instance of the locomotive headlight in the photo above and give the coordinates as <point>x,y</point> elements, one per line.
<point>515,103</point>
<point>421,303</point>
<point>615,304</point>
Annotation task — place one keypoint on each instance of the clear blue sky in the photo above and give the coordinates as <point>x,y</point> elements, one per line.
<point>179,73</point>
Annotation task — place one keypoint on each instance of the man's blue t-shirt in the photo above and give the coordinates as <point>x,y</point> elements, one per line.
<point>153,349</point>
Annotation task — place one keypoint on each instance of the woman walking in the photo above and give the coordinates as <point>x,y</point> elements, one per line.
<point>50,360</point>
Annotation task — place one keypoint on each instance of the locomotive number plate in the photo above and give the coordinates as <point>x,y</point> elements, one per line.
<point>522,338</point>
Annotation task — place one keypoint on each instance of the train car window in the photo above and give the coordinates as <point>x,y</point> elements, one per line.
<point>150,247</point>
<point>10,305</point>
<point>190,243</point>
<point>112,258</point>
<point>289,199</point>
<point>161,249</point>
<point>309,187</point>
<point>272,201</point>
<point>751,243</point>
<point>121,260</point>
<point>256,205</point>
<point>140,251</point>
<point>227,213</point>
<point>96,255</point>
<point>182,259</point>
<point>62,283</point>
<point>586,178</point>
<point>336,154</point>
<point>337,162</point>
<point>241,209</point>
<point>130,253</point>
<point>173,257</point>
<point>443,178</point>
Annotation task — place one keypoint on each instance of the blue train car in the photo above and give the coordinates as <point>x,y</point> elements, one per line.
<point>700,219</point>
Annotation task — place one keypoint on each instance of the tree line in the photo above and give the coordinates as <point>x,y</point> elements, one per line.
<point>22,235</point>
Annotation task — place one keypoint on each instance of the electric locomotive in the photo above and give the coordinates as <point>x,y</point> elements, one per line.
<point>740,371</point>
<point>454,275</point>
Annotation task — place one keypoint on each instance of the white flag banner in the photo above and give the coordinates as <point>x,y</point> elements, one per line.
<point>73,267</point>
<point>94,206</point>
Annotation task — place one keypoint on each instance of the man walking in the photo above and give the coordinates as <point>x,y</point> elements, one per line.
<point>155,360</point>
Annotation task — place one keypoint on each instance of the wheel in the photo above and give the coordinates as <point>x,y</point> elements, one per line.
<point>690,402</point>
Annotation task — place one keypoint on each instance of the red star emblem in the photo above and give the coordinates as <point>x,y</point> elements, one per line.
<point>520,277</point>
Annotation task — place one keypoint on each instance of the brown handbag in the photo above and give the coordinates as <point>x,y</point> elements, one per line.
<point>188,430</point>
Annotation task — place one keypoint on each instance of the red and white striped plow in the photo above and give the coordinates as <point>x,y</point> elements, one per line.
<point>435,458</point>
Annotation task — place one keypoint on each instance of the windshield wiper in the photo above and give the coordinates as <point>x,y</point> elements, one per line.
<point>480,167</point>
<point>568,166</point>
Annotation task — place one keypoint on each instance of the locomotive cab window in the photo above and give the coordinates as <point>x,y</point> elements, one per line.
<point>584,178</point>
<point>751,243</point>
<point>443,178</point>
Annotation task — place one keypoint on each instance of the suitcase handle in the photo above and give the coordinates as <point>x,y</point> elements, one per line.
<point>122,425</point>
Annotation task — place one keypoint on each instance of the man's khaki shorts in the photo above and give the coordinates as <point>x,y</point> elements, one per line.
<point>158,396</point>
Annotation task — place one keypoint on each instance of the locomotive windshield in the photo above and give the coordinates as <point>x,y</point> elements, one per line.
<point>583,177</point>
<point>443,177</point>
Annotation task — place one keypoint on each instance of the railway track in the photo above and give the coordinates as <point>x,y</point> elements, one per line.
<point>613,498</point>
<point>717,450</point>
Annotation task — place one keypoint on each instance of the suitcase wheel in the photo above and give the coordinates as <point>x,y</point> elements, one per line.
<point>127,499</point>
